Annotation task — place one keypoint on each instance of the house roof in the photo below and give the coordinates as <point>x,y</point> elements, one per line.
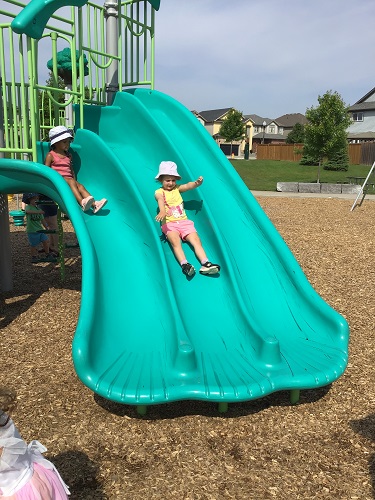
<point>363,103</point>
<point>362,135</point>
<point>258,120</point>
<point>289,120</point>
<point>211,115</point>
<point>365,97</point>
<point>246,118</point>
<point>360,106</point>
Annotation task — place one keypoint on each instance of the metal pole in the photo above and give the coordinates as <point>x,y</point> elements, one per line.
<point>69,108</point>
<point>111,14</point>
<point>6,275</point>
<point>361,191</point>
<point>264,130</point>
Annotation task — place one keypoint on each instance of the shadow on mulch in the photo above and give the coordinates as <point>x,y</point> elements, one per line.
<point>170,411</point>
<point>30,281</point>
<point>366,428</point>
<point>84,484</point>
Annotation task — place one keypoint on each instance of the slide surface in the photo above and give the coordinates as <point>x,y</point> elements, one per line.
<point>146,334</point>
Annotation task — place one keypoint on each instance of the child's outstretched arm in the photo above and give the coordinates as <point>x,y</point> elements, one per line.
<point>190,185</point>
<point>161,215</point>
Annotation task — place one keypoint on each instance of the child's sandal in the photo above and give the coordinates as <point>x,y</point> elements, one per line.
<point>187,269</point>
<point>209,268</point>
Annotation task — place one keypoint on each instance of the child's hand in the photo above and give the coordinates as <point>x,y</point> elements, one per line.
<point>199,181</point>
<point>160,216</point>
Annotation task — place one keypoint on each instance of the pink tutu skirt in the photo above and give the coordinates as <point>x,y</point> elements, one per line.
<point>44,485</point>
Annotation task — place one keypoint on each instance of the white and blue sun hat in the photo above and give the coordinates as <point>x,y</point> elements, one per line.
<point>59,133</point>
<point>168,168</point>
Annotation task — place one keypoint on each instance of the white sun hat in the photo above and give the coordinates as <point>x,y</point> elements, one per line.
<point>168,168</point>
<point>59,133</point>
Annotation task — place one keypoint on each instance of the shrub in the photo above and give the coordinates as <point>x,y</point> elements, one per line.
<point>308,160</point>
<point>339,161</point>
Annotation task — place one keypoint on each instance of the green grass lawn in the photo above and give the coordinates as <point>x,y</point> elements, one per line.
<point>263,175</point>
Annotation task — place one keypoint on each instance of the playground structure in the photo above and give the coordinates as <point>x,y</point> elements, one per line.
<point>145,334</point>
<point>118,39</point>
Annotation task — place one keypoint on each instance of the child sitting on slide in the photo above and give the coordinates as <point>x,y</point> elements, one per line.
<point>60,159</point>
<point>175,224</point>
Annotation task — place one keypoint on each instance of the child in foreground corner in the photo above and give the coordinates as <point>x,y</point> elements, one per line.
<point>24,473</point>
<point>175,224</point>
<point>60,160</point>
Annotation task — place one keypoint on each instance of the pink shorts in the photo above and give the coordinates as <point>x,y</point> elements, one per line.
<point>183,228</point>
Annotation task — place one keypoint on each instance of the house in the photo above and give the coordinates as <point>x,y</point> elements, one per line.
<point>363,115</point>
<point>266,131</point>
<point>287,122</point>
<point>258,130</point>
<point>212,120</point>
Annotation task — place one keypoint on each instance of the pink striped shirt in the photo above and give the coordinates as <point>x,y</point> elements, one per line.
<point>61,165</point>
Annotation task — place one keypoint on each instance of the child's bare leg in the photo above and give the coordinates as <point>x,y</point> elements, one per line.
<point>82,190</point>
<point>53,237</point>
<point>46,246</point>
<point>34,251</point>
<point>196,243</point>
<point>73,184</point>
<point>175,241</point>
<point>207,267</point>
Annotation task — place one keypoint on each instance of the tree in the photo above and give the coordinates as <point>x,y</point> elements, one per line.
<point>64,65</point>
<point>308,160</point>
<point>339,161</point>
<point>232,128</point>
<point>296,135</point>
<point>64,80</point>
<point>325,132</point>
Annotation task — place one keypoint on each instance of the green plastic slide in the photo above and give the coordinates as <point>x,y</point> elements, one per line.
<point>146,334</point>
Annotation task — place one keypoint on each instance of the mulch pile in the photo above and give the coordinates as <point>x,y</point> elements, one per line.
<point>322,448</point>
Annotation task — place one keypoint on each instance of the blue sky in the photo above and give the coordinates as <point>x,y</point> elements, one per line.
<point>266,57</point>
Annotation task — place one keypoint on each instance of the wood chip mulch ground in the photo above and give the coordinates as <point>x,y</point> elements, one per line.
<point>322,448</point>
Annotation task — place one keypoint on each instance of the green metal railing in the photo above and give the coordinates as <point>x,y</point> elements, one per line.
<point>29,107</point>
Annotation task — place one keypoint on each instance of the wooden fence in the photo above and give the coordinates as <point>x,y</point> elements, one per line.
<point>359,154</point>
<point>286,152</point>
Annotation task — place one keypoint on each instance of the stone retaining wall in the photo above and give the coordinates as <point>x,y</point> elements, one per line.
<point>317,187</point>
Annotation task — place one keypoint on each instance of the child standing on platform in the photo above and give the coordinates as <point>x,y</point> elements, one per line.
<point>175,224</point>
<point>60,159</point>
<point>24,473</point>
<point>34,224</point>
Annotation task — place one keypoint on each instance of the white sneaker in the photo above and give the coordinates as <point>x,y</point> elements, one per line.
<point>87,203</point>
<point>98,205</point>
